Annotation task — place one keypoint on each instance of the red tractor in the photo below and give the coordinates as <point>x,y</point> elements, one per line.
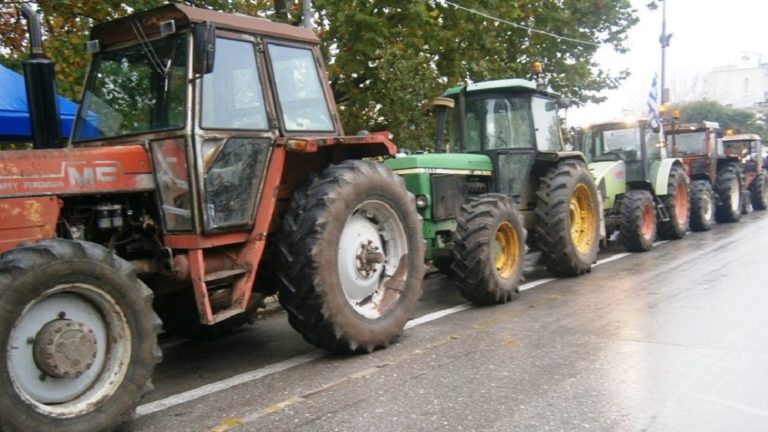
<point>717,186</point>
<point>207,169</point>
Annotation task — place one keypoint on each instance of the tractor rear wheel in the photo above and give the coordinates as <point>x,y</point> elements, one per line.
<point>702,205</point>
<point>489,251</point>
<point>638,221</point>
<point>567,219</point>
<point>79,338</point>
<point>676,204</point>
<point>759,190</point>
<point>729,187</point>
<point>351,258</point>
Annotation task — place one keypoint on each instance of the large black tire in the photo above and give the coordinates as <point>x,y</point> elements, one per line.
<point>677,205</point>
<point>335,292</point>
<point>489,251</point>
<point>51,294</point>
<point>729,191</point>
<point>567,201</point>
<point>702,205</point>
<point>638,221</point>
<point>759,191</point>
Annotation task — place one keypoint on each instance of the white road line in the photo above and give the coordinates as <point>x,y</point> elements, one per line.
<point>436,315</point>
<point>218,386</point>
<point>255,374</point>
<point>534,284</point>
<point>612,258</point>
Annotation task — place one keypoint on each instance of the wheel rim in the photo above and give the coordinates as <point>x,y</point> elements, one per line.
<point>582,219</point>
<point>764,191</point>
<point>681,201</point>
<point>646,224</point>
<point>706,204</point>
<point>735,196</point>
<point>506,250</point>
<point>69,350</point>
<point>372,263</point>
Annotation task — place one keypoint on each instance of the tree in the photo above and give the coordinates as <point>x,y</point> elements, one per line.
<point>387,58</point>
<point>739,120</point>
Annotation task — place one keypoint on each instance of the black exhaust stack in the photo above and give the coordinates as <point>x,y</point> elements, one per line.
<point>40,83</point>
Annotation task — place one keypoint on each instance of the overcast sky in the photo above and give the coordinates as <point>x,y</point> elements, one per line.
<point>706,34</point>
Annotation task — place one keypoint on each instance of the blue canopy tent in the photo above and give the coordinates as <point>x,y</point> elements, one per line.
<point>14,113</point>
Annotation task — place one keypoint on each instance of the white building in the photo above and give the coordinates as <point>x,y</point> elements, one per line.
<point>739,86</point>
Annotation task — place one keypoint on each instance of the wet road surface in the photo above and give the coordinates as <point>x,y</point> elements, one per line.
<point>669,340</point>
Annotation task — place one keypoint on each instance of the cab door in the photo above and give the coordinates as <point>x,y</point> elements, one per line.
<point>235,131</point>
<point>500,126</point>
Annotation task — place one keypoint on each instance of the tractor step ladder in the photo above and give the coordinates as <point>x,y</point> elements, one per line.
<point>661,210</point>
<point>203,283</point>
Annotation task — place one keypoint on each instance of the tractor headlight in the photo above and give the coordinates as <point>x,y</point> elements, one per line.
<point>422,201</point>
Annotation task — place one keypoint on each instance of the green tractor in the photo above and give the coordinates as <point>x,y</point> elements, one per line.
<point>645,193</point>
<point>505,171</point>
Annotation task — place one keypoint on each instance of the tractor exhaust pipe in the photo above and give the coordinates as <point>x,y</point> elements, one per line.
<point>40,84</point>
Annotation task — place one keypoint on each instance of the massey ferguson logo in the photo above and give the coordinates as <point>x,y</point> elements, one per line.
<point>88,176</point>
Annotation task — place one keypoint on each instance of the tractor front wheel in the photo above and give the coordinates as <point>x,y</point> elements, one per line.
<point>351,258</point>
<point>676,204</point>
<point>759,191</point>
<point>79,338</point>
<point>568,219</point>
<point>489,250</point>
<point>729,188</point>
<point>638,221</point>
<point>702,205</point>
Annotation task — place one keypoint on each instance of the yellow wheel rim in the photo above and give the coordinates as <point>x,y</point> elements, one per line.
<point>507,247</point>
<point>583,223</point>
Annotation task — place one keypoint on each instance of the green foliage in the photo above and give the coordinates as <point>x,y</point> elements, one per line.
<point>386,58</point>
<point>740,120</point>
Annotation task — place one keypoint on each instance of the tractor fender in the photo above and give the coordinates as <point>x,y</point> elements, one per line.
<point>610,178</point>
<point>660,174</point>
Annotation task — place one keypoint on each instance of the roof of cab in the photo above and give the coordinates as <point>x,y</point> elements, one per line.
<point>121,30</point>
<point>503,84</point>
<point>742,137</point>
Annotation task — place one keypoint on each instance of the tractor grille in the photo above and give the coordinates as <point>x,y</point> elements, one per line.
<point>448,194</point>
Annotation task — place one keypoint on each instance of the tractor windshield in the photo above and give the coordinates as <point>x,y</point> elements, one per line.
<point>689,143</point>
<point>134,90</point>
<point>623,142</point>
<point>496,122</point>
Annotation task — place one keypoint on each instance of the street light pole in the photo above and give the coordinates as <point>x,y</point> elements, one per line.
<point>307,13</point>
<point>664,40</point>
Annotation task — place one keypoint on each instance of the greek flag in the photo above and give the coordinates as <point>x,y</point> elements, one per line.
<point>653,104</point>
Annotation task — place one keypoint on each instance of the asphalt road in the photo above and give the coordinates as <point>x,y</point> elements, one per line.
<point>669,340</point>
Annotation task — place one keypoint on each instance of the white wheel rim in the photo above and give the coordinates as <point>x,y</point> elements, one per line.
<point>706,210</point>
<point>70,397</point>
<point>735,196</point>
<point>372,233</point>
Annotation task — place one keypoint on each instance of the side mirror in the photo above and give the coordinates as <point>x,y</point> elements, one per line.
<point>204,35</point>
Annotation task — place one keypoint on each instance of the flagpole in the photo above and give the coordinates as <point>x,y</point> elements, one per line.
<point>664,40</point>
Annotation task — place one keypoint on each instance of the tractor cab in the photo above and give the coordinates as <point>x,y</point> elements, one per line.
<point>698,145</point>
<point>512,121</point>
<point>635,143</point>
<point>208,94</point>
<point>748,147</point>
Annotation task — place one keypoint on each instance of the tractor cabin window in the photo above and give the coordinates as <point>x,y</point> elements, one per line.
<point>299,89</point>
<point>134,90</point>
<point>546,123</point>
<point>232,94</point>
<point>501,122</point>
